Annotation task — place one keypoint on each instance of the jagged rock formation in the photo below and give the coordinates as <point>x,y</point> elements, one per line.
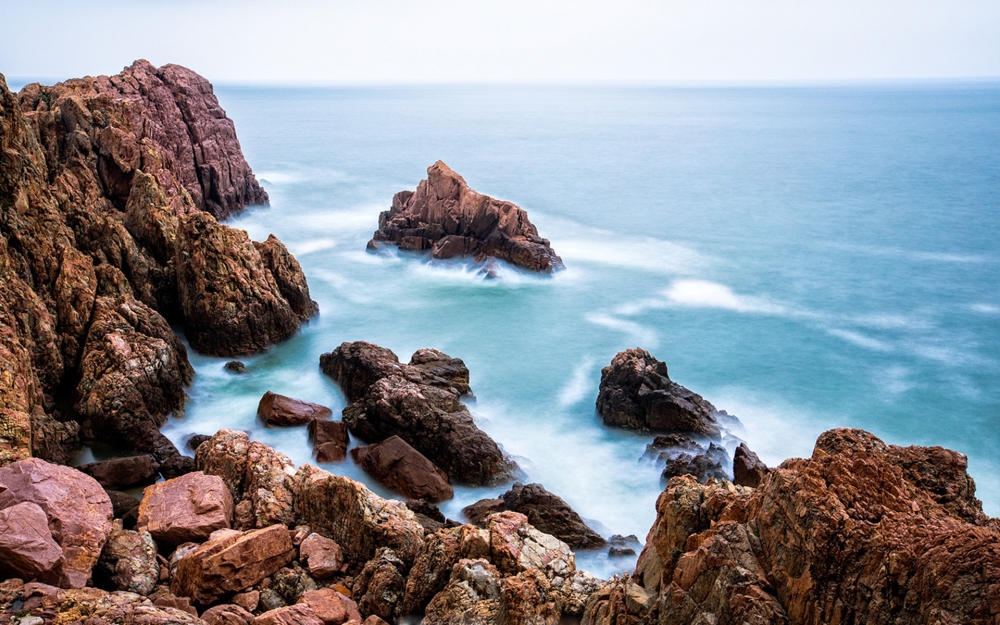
<point>861,532</point>
<point>448,218</point>
<point>109,192</point>
<point>680,455</point>
<point>419,402</point>
<point>636,393</point>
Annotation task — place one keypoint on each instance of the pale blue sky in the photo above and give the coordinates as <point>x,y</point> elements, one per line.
<point>448,41</point>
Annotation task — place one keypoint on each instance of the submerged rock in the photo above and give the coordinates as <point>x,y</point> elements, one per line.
<point>280,410</point>
<point>419,402</point>
<point>681,455</point>
<point>237,367</point>
<point>636,393</point>
<point>448,218</point>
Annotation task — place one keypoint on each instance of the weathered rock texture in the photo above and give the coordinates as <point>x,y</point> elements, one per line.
<point>636,393</point>
<point>110,188</point>
<point>680,455</point>
<point>748,470</point>
<point>448,218</point>
<point>35,603</point>
<point>861,532</point>
<point>185,509</point>
<point>404,469</point>
<point>419,402</point>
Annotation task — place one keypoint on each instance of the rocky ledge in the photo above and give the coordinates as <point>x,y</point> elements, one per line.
<point>451,220</point>
<point>420,403</point>
<point>110,191</point>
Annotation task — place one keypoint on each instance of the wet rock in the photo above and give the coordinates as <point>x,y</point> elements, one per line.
<point>402,468</point>
<point>623,546</point>
<point>196,440</point>
<point>230,302</point>
<point>354,517</point>
<point>128,562</point>
<point>185,509</point>
<point>748,470</point>
<point>330,606</point>
<point>322,556</point>
<point>288,275</point>
<point>550,514</point>
<point>447,217</point>
<point>381,585</point>
<point>278,410</point>
<point>330,439</point>
<point>237,367</point>
<point>227,614</point>
<point>232,563</point>
<point>419,403</point>
<point>680,455</point>
<point>52,440</point>
<point>27,549</point>
<point>478,512</point>
<point>636,393</point>
<point>300,614</point>
<point>429,515</point>
<point>123,472</point>
<point>330,452</point>
<point>78,510</point>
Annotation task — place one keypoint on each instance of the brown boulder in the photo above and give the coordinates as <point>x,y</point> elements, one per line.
<point>330,452</point>
<point>78,510</point>
<point>748,470</point>
<point>323,431</point>
<point>418,402</point>
<point>299,614</point>
<point>279,410</point>
<point>123,472</point>
<point>380,586</point>
<point>128,562</point>
<point>550,514</point>
<point>447,217</point>
<point>232,563</point>
<point>404,469</point>
<point>478,512</point>
<point>636,393</point>
<point>27,549</point>
<point>330,606</point>
<point>185,509</point>
<point>225,456</point>
<point>322,556</point>
<point>227,614</point>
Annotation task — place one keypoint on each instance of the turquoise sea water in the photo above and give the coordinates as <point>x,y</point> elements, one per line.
<point>805,258</point>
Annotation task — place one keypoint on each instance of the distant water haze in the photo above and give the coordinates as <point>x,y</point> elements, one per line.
<point>804,258</point>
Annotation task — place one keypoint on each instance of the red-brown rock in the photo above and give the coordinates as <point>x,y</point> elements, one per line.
<point>447,217</point>
<point>329,431</point>
<point>748,470</point>
<point>280,410</point>
<point>404,469</point>
<point>330,606</point>
<point>322,556</point>
<point>232,563</point>
<point>27,549</point>
<point>299,614</point>
<point>185,509</point>
<point>330,452</point>
<point>78,510</point>
<point>123,472</point>
<point>227,614</point>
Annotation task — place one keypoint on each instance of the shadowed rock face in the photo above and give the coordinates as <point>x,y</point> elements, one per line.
<point>448,218</point>
<point>854,534</point>
<point>101,182</point>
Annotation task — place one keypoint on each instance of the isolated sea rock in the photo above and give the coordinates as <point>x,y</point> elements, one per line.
<point>748,470</point>
<point>185,509</point>
<point>122,472</point>
<point>78,510</point>
<point>404,469</point>
<point>419,402</point>
<point>856,533</point>
<point>636,393</point>
<point>681,455</point>
<point>448,218</point>
<point>280,410</point>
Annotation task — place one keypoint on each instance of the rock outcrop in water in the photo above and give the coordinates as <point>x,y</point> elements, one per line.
<point>451,220</point>
<point>110,188</point>
<point>679,455</point>
<point>419,402</point>
<point>861,532</point>
<point>636,393</point>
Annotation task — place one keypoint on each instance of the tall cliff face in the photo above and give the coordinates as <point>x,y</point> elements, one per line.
<point>100,181</point>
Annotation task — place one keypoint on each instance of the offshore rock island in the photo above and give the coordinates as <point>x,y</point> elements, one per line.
<point>111,189</point>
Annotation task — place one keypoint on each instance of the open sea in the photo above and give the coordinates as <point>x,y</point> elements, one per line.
<point>804,258</point>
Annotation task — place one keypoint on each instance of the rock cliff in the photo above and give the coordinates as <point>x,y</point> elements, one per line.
<point>110,188</point>
<point>448,218</point>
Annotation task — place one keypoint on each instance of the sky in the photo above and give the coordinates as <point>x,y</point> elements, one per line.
<point>490,41</point>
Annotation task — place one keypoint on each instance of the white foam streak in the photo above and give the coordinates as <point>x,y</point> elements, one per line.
<point>311,245</point>
<point>706,294</point>
<point>860,340</point>
<point>637,332</point>
<point>578,387</point>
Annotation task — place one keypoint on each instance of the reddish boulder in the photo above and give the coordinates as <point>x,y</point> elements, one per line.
<point>227,614</point>
<point>299,614</point>
<point>404,469</point>
<point>232,563</point>
<point>322,430</point>
<point>322,556</point>
<point>330,606</point>
<point>748,470</point>
<point>27,549</point>
<point>381,585</point>
<point>550,514</point>
<point>447,217</point>
<point>279,410</point>
<point>478,512</point>
<point>123,472</point>
<point>636,393</point>
<point>330,452</point>
<point>78,510</point>
<point>128,562</point>
<point>185,509</point>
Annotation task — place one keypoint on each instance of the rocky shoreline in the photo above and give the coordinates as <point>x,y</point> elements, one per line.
<point>111,189</point>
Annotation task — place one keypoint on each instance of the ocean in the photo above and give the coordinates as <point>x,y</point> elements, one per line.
<point>805,258</point>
